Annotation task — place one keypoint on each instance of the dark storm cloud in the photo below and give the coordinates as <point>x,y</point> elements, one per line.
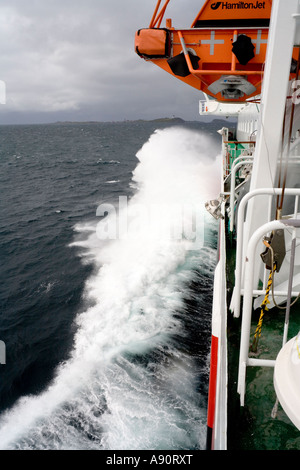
<point>74,60</point>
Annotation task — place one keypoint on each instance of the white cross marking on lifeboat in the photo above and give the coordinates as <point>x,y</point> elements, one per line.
<point>259,41</point>
<point>212,41</point>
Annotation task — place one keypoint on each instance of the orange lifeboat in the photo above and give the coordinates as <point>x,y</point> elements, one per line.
<point>222,53</point>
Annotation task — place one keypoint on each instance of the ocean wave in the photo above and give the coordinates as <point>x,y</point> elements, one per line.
<point>129,383</point>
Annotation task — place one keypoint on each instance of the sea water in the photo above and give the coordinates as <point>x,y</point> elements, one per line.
<point>106,284</point>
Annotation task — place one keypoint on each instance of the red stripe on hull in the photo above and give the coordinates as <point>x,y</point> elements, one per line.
<point>212,382</point>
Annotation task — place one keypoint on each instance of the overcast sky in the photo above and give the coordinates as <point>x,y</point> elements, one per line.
<point>75,60</point>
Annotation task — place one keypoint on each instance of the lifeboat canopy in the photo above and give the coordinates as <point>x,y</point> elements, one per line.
<point>287,379</point>
<point>222,54</point>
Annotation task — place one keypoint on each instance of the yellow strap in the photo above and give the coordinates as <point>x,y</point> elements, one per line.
<point>264,309</point>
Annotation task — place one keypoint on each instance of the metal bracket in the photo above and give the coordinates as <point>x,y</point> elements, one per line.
<point>214,207</point>
<point>275,251</point>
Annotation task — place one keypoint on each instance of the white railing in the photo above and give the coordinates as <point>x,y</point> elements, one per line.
<point>270,192</point>
<point>219,329</point>
<point>232,154</point>
<point>245,360</point>
<point>238,163</point>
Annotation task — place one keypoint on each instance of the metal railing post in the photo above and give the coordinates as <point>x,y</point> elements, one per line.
<point>244,360</point>
<point>235,167</point>
<point>236,300</point>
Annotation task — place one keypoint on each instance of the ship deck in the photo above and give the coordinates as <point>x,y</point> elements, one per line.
<point>252,427</point>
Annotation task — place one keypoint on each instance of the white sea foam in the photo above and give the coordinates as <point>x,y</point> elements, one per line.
<point>100,398</point>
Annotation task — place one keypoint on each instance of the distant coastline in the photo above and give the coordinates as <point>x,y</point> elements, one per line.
<point>173,120</point>
<point>161,119</point>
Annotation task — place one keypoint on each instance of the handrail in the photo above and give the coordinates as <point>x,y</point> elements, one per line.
<point>240,235</point>
<point>244,359</point>
<point>231,158</point>
<point>235,167</point>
